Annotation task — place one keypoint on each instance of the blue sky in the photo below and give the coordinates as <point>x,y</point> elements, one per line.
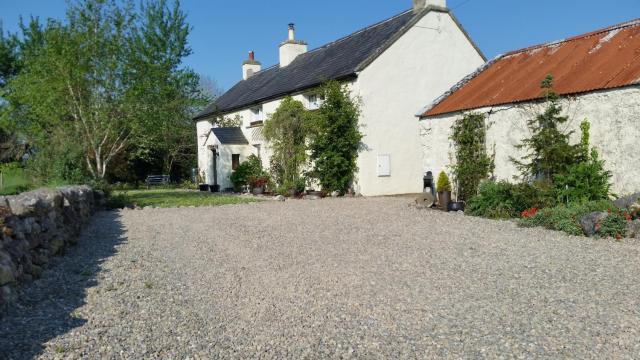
<point>225,30</point>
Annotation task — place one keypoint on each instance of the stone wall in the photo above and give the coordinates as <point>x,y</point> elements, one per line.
<point>36,226</point>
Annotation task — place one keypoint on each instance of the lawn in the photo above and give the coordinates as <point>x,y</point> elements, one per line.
<point>14,180</point>
<point>167,198</point>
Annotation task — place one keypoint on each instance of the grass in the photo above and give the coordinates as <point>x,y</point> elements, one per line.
<point>168,198</point>
<point>14,181</point>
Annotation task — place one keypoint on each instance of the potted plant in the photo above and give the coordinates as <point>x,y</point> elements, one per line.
<point>444,190</point>
<point>201,185</point>
<point>456,205</point>
<point>257,184</point>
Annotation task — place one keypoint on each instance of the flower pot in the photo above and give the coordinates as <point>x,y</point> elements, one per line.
<point>203,187</point>
<point>293,193</point>
<point>214,188</point>
<point>456,206</point>
<point>257,190</point>
<point>444,197</point>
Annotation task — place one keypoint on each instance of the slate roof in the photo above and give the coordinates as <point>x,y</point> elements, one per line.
<point>603,59</point>
<point>230,136</point>
<point>338,60</point>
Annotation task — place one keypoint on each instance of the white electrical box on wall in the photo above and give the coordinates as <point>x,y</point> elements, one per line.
<point>384,165</point>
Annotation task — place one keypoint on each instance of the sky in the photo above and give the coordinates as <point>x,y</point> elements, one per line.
<point>224,31</point>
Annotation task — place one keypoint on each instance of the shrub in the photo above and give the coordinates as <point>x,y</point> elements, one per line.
<point>444,184</point>
<point>566,218</point>
<point>586,180</point>
<point>500,200</point>
<point>473,164</point>
<point>251,168</point>
<point>335,139</point>
<point>614,225</point>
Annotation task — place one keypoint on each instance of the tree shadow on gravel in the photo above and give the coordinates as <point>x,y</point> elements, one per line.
<point>46,307</point>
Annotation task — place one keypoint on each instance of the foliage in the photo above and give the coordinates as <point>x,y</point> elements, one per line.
<point>258,181</point>
<point>473,164</point>
<point>14,179</point>
<point>109,78</point>
<point>614,225</point>
<point>549,152</point>
<point>443,184</point>
<point>168,198</point>
<point>287,131</point>
<point>566,218</point>
<point>335,139</point>
<point>250,168</point>
<point>501,200</point>
<point>586,180</point>
<point>227,121</point>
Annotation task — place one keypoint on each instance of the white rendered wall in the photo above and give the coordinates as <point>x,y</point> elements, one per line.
<point>424,63</point>
<point>615,132</point>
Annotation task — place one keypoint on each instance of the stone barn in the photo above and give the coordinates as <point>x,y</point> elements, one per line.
<point>598,77</point>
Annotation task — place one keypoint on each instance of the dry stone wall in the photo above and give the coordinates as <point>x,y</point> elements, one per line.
<point>36,226</point>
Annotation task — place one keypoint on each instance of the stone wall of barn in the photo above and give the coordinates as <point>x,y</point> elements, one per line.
<point>615,132</point>
<point>36,226</point>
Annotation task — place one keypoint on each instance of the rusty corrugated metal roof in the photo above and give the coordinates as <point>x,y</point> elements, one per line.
<point>603,59</point>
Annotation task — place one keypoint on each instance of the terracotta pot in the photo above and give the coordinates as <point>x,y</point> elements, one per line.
<point>444,197</point>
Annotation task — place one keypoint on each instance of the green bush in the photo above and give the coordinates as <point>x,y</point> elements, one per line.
<point>614,225</point>
<point>567,218</point>
<point>251,168</point>
<point>501,200</point>
<point>444,184</point>
<point>584,181</point>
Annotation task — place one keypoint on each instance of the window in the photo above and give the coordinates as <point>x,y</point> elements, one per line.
<point>235,161</point>
<point>257,113</point>
<point>314,101</point>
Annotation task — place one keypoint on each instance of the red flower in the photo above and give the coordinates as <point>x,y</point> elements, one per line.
<point>529,213</point>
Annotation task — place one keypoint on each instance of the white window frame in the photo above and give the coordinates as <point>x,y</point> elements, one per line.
<point>314,101</point>
<point>257,114</point>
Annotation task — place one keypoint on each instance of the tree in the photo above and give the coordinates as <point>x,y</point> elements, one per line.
<point>287,131</point>
<point>335,139</point>
<point>473,164</point>
<point>107,79</point>
<point>549,152</point>
<point>587,179</point>
<point>210,87</point>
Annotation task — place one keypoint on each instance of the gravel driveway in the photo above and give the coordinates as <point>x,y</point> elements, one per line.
<point>361,278</point>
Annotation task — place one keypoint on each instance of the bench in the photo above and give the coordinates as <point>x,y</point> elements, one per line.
<point>157,180</point>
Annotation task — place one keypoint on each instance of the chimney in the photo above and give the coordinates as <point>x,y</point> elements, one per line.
<point>251,66</point>
<point>419,5</point>
<point>290,49</point>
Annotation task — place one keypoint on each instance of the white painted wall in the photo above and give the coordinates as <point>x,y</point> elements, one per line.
<point>424,63</point>
<point>420,66</point>
<point>615,132</point>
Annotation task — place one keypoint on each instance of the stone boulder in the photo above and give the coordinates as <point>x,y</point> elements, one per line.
<point>590,222</point>
<point>633,229</point>
<point>629,201</point>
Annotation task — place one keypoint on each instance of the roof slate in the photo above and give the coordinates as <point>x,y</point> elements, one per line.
<point>230,136</point>
<point>604,59</point>
<point>338,60</point>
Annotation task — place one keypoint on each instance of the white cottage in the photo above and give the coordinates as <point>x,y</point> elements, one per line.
<point>598,77</point>
<point>392,67</point>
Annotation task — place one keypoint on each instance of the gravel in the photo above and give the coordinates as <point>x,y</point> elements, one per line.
<point>336,278</point>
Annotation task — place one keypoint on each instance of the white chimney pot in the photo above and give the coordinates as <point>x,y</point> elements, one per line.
<point>292,48</point>
<point>419,5</point>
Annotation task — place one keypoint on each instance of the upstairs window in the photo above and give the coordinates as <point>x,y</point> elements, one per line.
<point>257,114</point>
<point>314,101</point>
